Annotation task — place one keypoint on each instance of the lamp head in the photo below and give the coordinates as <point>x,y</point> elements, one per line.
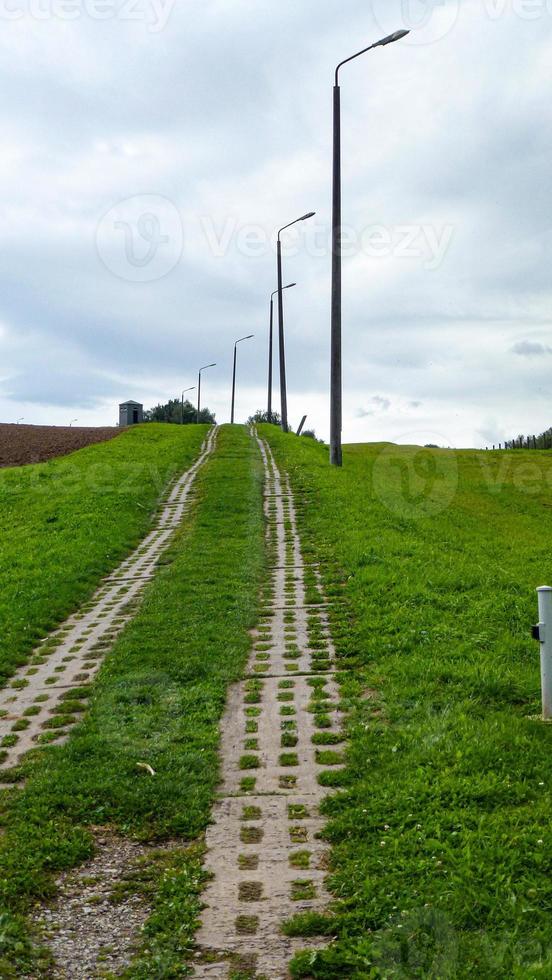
<point>311,214</point>
<point>397,36</point>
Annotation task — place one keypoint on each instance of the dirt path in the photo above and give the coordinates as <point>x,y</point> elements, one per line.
<point>89,928</point>
<point>39,704</point>
<point>264,851</point>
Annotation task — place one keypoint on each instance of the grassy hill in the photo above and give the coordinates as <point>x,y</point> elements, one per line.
<point>442,854</point>
<point>158,699</point>
<point>66,523</point>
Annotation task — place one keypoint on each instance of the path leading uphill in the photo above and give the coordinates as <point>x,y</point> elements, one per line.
<point>279,735</point>
<point>36,706</point>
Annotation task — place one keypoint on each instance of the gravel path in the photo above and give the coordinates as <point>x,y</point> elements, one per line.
<point>32,710</point>
<point>89,931</point>
<point>264,851</point>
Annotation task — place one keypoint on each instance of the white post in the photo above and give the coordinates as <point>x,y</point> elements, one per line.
<point>545,639</point>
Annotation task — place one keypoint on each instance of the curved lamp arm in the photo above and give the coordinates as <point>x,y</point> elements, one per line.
<point>390,39</point>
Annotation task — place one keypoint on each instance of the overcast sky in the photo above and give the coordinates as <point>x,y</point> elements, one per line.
<point>150,148</point>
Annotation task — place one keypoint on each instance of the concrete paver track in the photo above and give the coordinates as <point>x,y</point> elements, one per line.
<point>71,656</point>
<point>264,851</point>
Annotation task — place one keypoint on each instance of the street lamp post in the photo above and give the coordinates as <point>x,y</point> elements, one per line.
<point>280,290</point>
<point>199,388</point>
<point>336,390</point>
<point>240,341</point>
<point>270,336</point>
<point>184,393</point>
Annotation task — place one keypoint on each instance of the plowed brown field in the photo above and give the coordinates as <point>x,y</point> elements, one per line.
<point>20,444</point>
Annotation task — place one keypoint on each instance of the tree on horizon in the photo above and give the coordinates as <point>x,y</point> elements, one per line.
<point>172,413</point>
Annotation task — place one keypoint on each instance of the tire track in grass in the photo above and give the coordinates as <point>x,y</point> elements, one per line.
<point>37,705</point>
<point>265,854</point>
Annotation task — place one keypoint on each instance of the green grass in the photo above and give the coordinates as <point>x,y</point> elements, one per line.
<point>66,523</point>
<point>157,700</point>
<point>440,826</point>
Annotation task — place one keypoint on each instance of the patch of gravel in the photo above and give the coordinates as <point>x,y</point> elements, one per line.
<point>87,932</point>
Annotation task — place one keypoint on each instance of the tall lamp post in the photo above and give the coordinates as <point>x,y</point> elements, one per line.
<point>336,370</point>
<point>270,336</point>
<point>199,388</point>
<point>183,393</point>
<point>280,290</point>
<point>240,341</point>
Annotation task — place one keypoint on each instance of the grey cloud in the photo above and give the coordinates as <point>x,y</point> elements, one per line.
<point>527,348</point>
<point>227,112</point>
<point>378,404</point>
